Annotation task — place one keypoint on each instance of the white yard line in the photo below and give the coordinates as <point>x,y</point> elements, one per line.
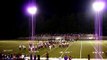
<point>81,50</point>
<point>65,50</point>
<point>96,50</point>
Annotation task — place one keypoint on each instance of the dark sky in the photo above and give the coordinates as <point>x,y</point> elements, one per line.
<point>54,16</point>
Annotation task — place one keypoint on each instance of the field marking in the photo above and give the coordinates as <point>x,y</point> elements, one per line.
<point>96,50</point>
<point>81,50</point>
<point>65,50</point>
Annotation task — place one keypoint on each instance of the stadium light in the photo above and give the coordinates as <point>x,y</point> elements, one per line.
<point>98,6</point>
<point>32,10</point>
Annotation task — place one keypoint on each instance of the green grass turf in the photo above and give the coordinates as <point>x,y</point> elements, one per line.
<point>77,49</point>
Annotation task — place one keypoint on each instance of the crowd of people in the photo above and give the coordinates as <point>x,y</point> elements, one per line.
<point>18,57</point>
<point>23,57</point>
<point>31,47</point>
<point>64,44</point>
<point>42,44</point>
<point>11,56</point>
<point>47,44</point>
<point>53,36</point>
<point>64,36</point>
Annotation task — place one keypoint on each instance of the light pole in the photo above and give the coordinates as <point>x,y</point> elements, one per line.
<point>98,7</point>
<point>32,10</point>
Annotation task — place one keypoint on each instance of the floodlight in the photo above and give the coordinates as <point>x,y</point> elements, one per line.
<point>98,6</point>
<point>32,10</point>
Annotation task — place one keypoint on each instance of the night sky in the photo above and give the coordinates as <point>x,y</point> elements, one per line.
<point>54,16</point>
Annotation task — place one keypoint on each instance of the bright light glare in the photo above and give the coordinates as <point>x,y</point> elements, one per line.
<point>99,42</point>
<point>98,6</point>
<point>32,10</point>
<point>90,37</point>
<point>58,38</point>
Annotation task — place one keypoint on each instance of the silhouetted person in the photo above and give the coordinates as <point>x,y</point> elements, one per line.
<point>106,53</point>
<point>47,56</point>
<point>38,57</point>
<point>11,55</point>
<point>31,57</point>
<point>34,57</point>
<point>88,57</point>
<point>65,57</point>
<point>70,58</point>
<point>0,56</point>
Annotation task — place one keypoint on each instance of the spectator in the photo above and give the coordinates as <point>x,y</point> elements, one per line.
<point>47,56</point>
<point>106,53</point>
<point>70,58</point>
<point>0,56</point>
<point>88,57</point>
<point>38,57</point>
<point>30,56</point>
<point>65,57</point>
<point>34,57</point>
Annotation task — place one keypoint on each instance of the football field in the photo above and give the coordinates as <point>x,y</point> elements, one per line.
<point>76,49</point>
